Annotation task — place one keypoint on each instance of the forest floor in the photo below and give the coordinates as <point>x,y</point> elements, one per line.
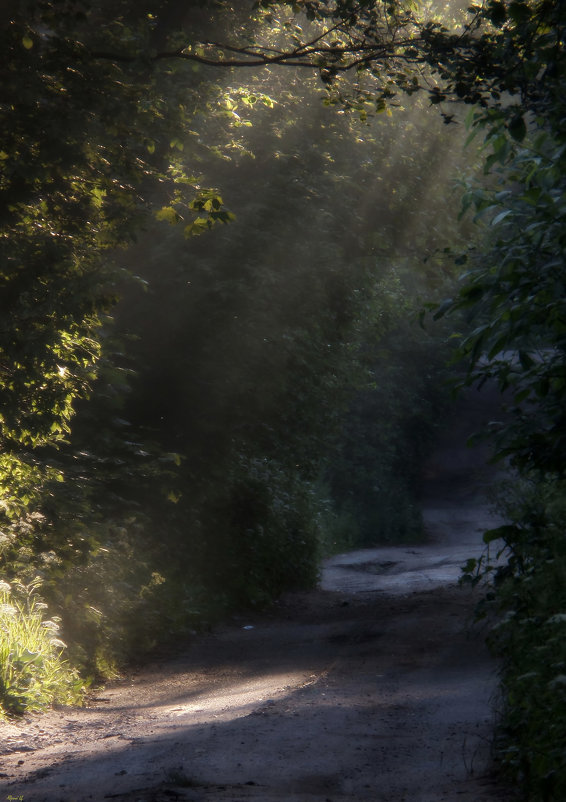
<point>375,687</point>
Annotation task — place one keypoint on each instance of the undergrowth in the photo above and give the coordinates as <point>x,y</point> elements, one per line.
<point>530,636</point>
<point>33,672</point>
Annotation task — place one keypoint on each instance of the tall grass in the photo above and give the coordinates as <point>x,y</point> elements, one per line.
<point>33,672</point>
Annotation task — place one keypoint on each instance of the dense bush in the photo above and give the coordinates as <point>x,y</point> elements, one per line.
<point>375,471</point>
<point>530,637</point>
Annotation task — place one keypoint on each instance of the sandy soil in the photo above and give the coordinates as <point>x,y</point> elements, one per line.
<point>376,687</point>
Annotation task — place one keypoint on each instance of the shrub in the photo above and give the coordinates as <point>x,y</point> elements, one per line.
<point>530,638</point>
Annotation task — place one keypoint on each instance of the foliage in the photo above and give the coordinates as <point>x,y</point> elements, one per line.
<point>515,289</point>
<point>513,296</point>
<point>271,328</point>
<point>84,143</point>
<point>375,469</point>
<point>516,294</point>
<point>157,476</point>
<point>33,673</point>
<point>365,53</point>
<point>111,119</point>
<point>86,153</point>
<point>269,534</point>
<point>529,636</point>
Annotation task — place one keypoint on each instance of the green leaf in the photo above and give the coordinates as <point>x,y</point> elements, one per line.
<point>168,214</point>
<point>519,12</point>
<point>526,360</point>
<point>496,12</point>
<point>517,128</point>
<point>501,216</point>
<point>518,397</point>
<point>444,307</point>
<point>197,227</point>
<point>470,566</point>
<point>26,657</point>
<point>506,532</point>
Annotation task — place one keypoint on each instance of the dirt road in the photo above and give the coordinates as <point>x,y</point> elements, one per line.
<point>374,688</point>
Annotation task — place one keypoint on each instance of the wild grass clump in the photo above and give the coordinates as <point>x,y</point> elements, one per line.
<point>33,672</point>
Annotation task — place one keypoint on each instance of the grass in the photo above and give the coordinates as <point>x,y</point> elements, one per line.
<point>33,673</point>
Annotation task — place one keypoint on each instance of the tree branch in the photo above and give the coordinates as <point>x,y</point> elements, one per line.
<point>300,57</point>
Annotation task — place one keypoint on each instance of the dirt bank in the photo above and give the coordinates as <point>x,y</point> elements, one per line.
<point>374,688</point>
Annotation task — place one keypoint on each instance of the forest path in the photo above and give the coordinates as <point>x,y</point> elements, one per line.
<point>376,687</point>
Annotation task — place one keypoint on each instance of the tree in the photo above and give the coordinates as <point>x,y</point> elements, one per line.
<point>87,157</point>
<point>514,290</point>
<point>513,294</point>
<point>84,147</point>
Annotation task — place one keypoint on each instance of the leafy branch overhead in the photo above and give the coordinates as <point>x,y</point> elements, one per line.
<point>367,52</point>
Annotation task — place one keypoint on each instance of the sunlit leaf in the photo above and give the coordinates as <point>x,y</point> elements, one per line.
<point>168,214</point>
